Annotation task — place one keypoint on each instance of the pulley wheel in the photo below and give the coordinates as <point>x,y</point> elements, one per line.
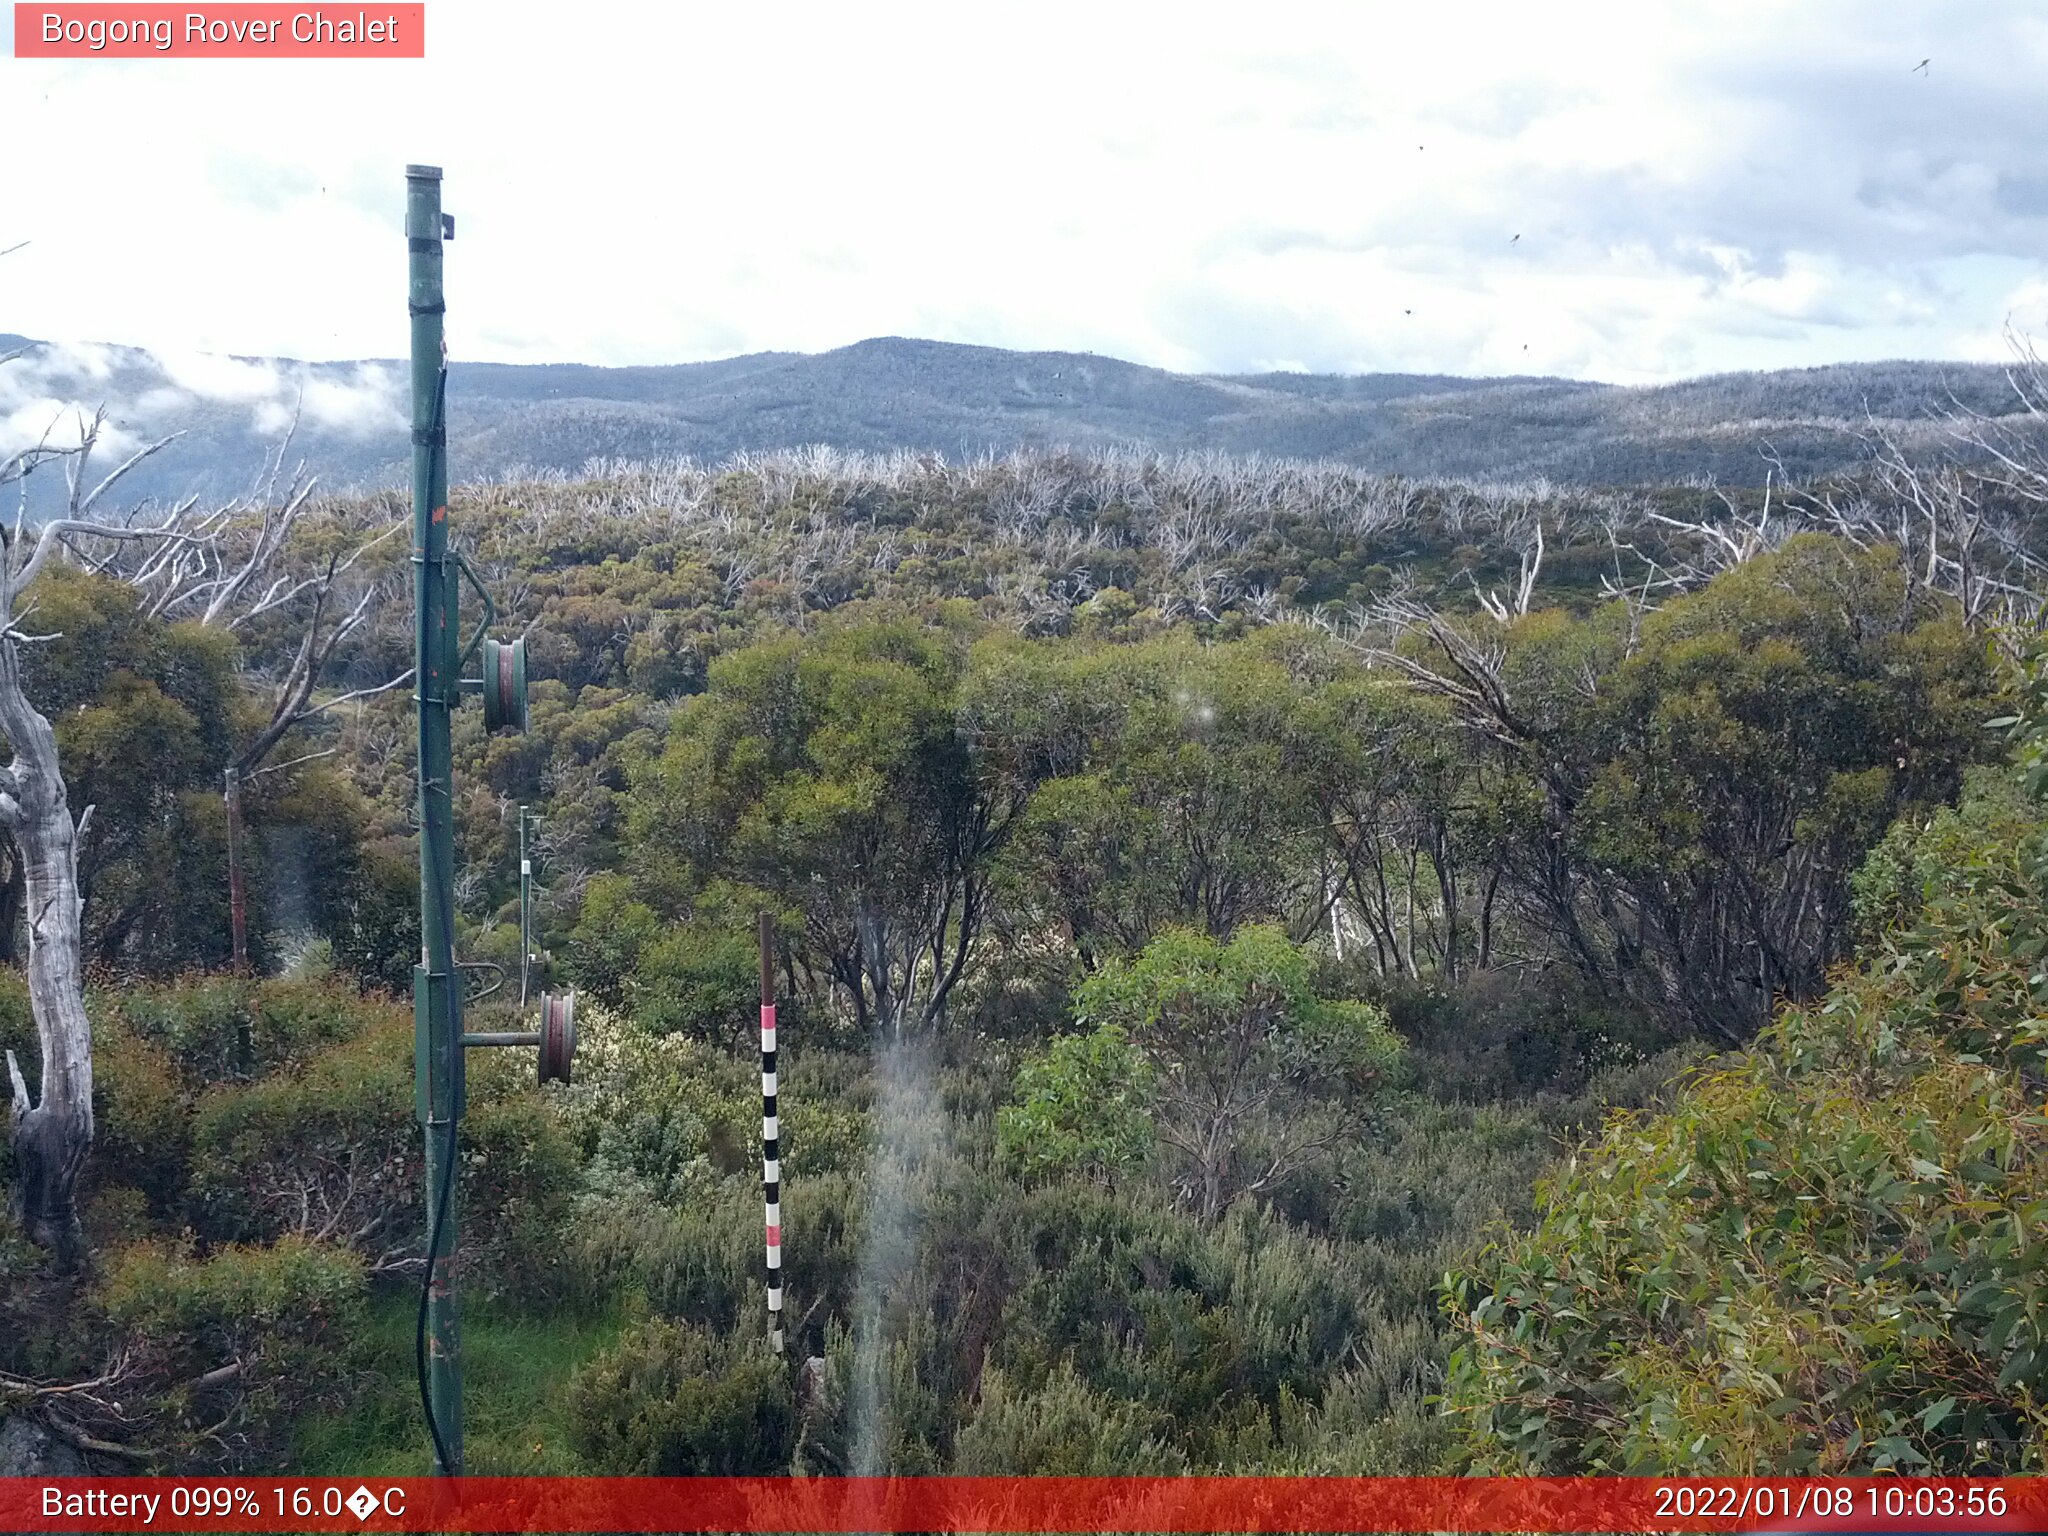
<point>504,685</point>
<point>557,1035</point>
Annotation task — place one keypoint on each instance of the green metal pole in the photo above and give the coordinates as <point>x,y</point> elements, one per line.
<point>437,1024</point>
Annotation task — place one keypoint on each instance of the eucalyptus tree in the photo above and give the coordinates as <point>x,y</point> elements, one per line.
<point>1693,787</point>
<point>831,774</point>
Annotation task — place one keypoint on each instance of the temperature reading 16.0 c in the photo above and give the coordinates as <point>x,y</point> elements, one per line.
<point>332,1500</point>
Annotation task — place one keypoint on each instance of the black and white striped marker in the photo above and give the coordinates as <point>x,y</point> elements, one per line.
<point>771,1155</point>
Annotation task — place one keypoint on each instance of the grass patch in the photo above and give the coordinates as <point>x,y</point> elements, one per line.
<point>516,1370</point>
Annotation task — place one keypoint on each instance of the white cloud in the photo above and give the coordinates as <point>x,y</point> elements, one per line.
<point>212,377</point>
<point>366,400</point>
<point>1697,185</point>
<point>60,424</point>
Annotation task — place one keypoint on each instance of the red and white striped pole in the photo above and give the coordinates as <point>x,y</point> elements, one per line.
<point>771,1158</point>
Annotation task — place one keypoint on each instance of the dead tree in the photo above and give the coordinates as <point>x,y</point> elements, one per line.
<point>52,1130</point>
<point>1525,536</point>
<point>1736,540</point>
<point>1961,522</point>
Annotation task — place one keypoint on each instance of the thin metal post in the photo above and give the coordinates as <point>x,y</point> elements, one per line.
<point>525,910</point>
<point>436,994</point>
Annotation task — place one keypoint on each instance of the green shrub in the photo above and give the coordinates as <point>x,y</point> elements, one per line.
<point>1083,1106</point>
<point>672,1400</point>
<point>1253,1071</point>
<point>519,1175</point>
<point>294,1015</point>
<point>224,1028</point>
<point>1508,1035</point>
<point>606,943</point>
<point>1918,860</point>
<point>1212,1326</point>
<point>700,979</point>
<point>202,1021</point>
<point>703,1263</point>
<point>230,1347</point>
<point>142,1116</point>
<point>821,1133</point>
<point>1063,1429</point>
<point>328,1150</point>
<point>1814,1264</point>
<point>1363,1430</point>
<point>141,1112</point>
<point>665,1112</point>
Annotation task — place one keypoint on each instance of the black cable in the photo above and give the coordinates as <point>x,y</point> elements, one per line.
<point>441,1456</point>
<point>443,1195</point>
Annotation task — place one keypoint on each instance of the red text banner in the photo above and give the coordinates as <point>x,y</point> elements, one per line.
<point>1125,1504</point>
<point>235,31</point>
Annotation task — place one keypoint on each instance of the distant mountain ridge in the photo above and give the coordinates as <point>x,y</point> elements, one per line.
<point>894,393</point>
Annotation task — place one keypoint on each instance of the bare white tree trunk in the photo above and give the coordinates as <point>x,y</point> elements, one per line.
<point>52,1129</point>
<point>52,1132</point>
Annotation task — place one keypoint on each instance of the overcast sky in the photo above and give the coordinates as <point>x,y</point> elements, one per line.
<point>1697,187</point>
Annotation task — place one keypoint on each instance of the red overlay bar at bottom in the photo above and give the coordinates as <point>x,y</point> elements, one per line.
<point>1129,1504</point>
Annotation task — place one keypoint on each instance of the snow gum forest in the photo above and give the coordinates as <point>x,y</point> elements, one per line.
<point>1281,969</point>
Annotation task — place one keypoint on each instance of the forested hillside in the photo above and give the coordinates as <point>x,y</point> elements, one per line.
<point>964,403</point>
<point>1216,901</point>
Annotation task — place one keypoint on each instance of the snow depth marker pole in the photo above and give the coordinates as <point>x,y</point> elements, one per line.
<point>771,1159</point>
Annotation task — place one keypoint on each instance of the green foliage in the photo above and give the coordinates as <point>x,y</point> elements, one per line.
<point>700,979</point>
<point>309,828</point>
<point>1173,785</point>
<point>1504,1035</point>
<point>1211,1327</point>
<point>1917,861</point>
<point>665,1114</point>
<point>828,771</point>
<point>379,926</point>
<point>143,1115</point>
<point>329,1149</point>
<point>1821,1259</point>
<point>670,1400</point>
<point>520,1174</point>
<point>143,713</point>
<point>1082,1107</point>
<point>148,715</point>
<point>221,1027</point>
<point>611,933</point>
<point>1730,773</point>
<point>231,1347</point>
<point>1256,1072</point>
<point>1064,1429</point>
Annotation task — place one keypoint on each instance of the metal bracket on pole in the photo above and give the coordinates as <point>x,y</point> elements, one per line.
<point>483,625</point>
